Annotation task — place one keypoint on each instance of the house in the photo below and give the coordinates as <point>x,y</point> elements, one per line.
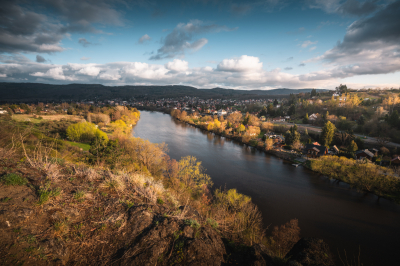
<point>361,154</point>
<point>333,150</point>
<point>374,151</point>
<point>3,112</point>
<point>278,119</point>
<point>19,111</point>
<point>314,151</point>
<point>395,161</point>
<point>221,112</point>
<point>316,144</point>
<point>313,117</point>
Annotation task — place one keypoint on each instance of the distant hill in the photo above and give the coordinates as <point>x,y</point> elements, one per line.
<point>29,92</point>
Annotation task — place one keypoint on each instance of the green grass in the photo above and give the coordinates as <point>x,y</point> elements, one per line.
<point>45,193</point>
<point>13,179</point>
<point>79,195</point>
<point>83,146</point>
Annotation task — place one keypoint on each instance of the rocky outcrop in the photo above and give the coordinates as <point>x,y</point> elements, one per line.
<point>310,252</point>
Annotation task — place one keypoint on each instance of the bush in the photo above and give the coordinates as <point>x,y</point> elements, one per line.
<point>13,179</point>
<point>84,132</point>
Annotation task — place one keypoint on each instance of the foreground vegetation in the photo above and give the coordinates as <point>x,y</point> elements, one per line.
<point>119,173</point>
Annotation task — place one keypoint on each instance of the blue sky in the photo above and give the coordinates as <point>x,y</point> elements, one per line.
<point>260,44</point>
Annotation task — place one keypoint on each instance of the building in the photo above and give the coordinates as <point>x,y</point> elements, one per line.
<point>278,119</point>
<point>333,150</point>
<point>313,117</point>
<point>221,112</point>
<point>361,154</point>
<point>395,161</point>
<point>314,151</point>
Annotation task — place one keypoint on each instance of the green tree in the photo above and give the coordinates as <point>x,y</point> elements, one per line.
<point>275,102</point>
<point>313,92</point>
<point>328,131</point>
<point>292,110</point>
<point>292,135</point>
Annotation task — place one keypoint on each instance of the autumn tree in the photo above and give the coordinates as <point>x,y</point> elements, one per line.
<point>327,133</point>
<point>305,119</point>
<point>267,126</point>
<point>353,146</point>
<point>234,118</point>
<point>192,173</point>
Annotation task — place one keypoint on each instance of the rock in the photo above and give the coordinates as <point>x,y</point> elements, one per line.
<point>310,252</point>
<point>57,249</point>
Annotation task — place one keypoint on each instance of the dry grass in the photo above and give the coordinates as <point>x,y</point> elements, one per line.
<point>30,117</point>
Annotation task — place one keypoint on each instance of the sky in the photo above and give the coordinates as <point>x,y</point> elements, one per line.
<point>254,44</point>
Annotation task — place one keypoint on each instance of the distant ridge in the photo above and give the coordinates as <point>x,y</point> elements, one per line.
<point>30,92</point>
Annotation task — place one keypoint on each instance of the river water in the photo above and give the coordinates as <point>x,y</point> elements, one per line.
<point>346,219</point>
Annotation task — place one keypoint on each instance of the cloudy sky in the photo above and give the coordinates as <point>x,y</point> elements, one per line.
<point>254,44</point>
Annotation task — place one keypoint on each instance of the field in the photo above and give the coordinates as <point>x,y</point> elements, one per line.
<point>57,117</point>
<point>84,146</point>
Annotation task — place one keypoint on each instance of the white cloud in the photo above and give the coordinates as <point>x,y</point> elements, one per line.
<point>53,73</point>
<point>144,38</point>
<point>90,71</point>
<point>244,72</point>
<point>244,63</point>
<point>83,58</point>
<point>308,43</point>
<point>313,48</point>
<point>177,65</point>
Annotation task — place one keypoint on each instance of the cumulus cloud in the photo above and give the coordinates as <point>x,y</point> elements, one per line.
<point>144,38</point>
<point>244,72</point>
<point>370,46</point>
<point>288,68</point>
<point>84,58</point>
<point>181,39</point>
<point>242,64</point>
<point>33,28</point>
<point>55,73</point>
<point>177,65</point>
<point>40,59</point>
<point>307,43</point>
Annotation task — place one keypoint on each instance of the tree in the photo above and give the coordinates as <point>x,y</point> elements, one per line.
<point>313,92</point>
<point>263,112</point>
<point>267,126</point>
<point>353,146</point>
<point>275,102</point>
<point>305,119</point>
<point>241,128</point>
<point>192,173</point>
<point>269,143</point>
<point>292,110</point>
<point>327,133</point>
<point>292,135</point>
<point>234,118</point>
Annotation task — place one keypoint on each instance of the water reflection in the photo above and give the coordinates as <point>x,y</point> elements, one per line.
<point>331,210</point>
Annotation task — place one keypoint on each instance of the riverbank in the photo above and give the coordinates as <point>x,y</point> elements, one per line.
<point>377,180</point>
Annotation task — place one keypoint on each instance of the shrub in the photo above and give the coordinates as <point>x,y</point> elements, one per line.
<point>84,132</point>
<point>14,179</point>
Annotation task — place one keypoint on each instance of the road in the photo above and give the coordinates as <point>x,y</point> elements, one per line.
<point>370,140</point>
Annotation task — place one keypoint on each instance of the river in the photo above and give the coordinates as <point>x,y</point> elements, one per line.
<point>346,219</point>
